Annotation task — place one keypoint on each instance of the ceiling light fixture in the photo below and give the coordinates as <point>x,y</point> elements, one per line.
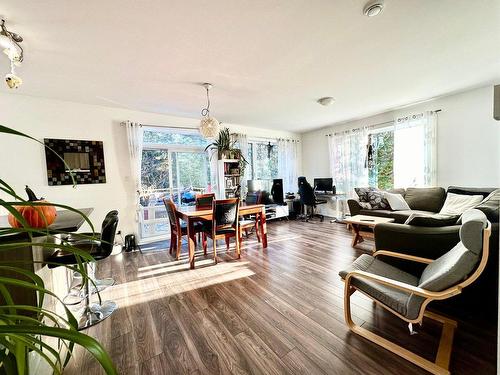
<point>209,126</point>
<point>326,101</point>
<point>373,8</point>
<point>9,42</point>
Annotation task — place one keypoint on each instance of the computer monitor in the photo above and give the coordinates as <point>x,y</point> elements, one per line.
<point>323,185</point>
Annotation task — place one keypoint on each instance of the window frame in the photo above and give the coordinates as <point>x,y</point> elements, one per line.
<point>264,141</point>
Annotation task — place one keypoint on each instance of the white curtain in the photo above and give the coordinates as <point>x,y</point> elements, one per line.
<point>288,156</point>
<point>415,150</point>
<point>135,143</point>
<point>241,142</point>
<point>347,154</point>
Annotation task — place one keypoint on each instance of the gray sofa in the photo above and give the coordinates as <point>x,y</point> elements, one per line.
<point>422,200</point>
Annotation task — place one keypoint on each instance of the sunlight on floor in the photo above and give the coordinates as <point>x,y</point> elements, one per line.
<point>155,285</point>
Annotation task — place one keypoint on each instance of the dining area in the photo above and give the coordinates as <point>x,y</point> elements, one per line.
<point>215,219</point>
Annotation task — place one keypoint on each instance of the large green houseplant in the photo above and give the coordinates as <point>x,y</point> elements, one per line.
<point>223,144</point>
<point>23,328</point>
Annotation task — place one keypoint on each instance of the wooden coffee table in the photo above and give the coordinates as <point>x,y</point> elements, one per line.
<point>360,224</point>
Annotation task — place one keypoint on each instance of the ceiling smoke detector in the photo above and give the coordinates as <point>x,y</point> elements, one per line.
<point>373,8</point>
<point>326,101</point>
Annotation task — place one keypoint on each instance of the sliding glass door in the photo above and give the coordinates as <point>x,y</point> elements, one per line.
<point>172,174</point>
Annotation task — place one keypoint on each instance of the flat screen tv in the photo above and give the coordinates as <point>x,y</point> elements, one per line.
<point>272,190</point>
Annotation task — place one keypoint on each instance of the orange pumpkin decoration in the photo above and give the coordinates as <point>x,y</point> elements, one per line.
<point>35,216</point>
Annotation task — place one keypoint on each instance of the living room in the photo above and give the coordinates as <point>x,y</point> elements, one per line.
<point>355,143</point>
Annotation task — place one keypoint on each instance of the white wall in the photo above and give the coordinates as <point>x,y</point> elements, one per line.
<point>468,139</point>
<point>22,162</point>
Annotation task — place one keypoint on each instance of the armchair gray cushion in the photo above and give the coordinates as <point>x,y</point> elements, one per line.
<point>459,262</point>
<point>403,302</point>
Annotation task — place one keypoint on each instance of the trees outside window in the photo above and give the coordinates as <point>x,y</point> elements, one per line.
<point>381,174</point>
<point>263,160</point>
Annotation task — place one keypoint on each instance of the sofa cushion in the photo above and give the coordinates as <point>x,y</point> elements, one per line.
<point>470,191</point>
<point>425,199</point>
<point>397,191</point>
<point>437,220</point>
<point>362,193</point>
<point>378,213</point>
<point>454,266</point>
<point>396,201</point>
<point>490,206</point>
<point>457,204</point>
<point>399,216</point>
<point>377,200</point>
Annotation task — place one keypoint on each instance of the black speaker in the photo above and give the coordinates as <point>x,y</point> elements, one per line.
<point>277,191</point>
<point>130,243</point>
<point>496,102</point>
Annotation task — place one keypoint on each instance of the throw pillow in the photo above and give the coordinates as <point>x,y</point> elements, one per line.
<point>456,204</point>
<point>437,220</point>
<point>396,202</point>
<point>363,193</point>
<point>365,205</point>
<point>491,206</point>
<point>377,200</point>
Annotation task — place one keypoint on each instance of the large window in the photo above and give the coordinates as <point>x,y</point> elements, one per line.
<point>174,165</point>
<point>263,159</point>
<point>397,156</point>
<point>404,155</point>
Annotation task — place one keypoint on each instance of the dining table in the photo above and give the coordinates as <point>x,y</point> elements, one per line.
<point>192,214</point>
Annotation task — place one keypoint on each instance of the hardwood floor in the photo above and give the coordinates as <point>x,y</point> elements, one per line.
<point>274,311</point>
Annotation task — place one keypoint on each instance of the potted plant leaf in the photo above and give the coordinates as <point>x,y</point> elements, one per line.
<point>26,329</point>
<point>223,144</point>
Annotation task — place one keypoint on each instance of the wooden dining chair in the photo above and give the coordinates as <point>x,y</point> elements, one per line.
<point>251,221</point>
<point>177,228</point>
<point>204,200</point>
<point>224,224</point>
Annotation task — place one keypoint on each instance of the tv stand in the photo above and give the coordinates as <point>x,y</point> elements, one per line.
<point>276,211</point>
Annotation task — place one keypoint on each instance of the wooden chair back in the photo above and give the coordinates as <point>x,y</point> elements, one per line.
<point>225,214</point>
<point>175,223</point>
<point>204,200</point>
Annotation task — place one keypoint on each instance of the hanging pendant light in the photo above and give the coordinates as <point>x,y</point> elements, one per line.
<point>9,43</point>
<point>209,126</point>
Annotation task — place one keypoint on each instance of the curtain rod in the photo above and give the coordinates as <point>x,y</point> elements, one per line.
<point>267,139</point>
<point>378,125</point>
<point>164,127</point>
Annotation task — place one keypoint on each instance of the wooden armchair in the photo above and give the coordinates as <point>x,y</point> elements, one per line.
<point>407,296</point>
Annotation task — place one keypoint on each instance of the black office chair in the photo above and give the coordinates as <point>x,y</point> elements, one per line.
<point>308,200</point>
<point>98,249</point>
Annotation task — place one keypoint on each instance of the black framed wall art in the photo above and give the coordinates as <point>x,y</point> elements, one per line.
<point>85,159</point>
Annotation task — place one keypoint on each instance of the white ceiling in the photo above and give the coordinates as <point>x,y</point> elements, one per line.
<point>270,60</point>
